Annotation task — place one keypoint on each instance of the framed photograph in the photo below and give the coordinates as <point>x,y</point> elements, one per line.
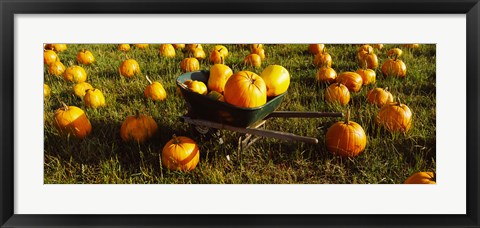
<point>243,113</point>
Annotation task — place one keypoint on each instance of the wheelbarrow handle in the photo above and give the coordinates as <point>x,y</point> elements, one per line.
<point>298,114</point>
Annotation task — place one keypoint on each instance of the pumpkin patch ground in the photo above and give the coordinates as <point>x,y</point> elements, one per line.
<point>384,140</point>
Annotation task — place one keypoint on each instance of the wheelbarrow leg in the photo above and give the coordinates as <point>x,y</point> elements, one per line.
<point>243,144</point>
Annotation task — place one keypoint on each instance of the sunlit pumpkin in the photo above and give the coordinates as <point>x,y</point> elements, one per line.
<point>180,153</point>
<point>411,45</point>
<point>421,178</point>
<point>56,47</point>
<point>253,60</point>
<point>368,60</point>
<point>323,59</point>
<point>189,65</point>
<point>193,47</point>
<point>245,89</point>
<point>363,49</point>
<point>81,88</point>
<point>379,96</point>
<point>316,48</point>
<point>219,74</point>
<point>351,80</point>
<point>154,91</point>
<point>222,49</point>
<point>138,128</point>
<point>346,138</point>
<point>216,96</point>
<point>71,120</point>
<point>394,67</point>
<point>46,90</point>
<point>196,86</point>
<point>368,75</point>
<point>178,46</point>
<point>129,68</point>
<point>377,46</point>
<point>85,57</point>
<point>394,52</point>
<point>260,52</point>
<point>94,98</point>
<point>337,92</point>
<point>123,47</point>
<point>141,46</point>
<point>216,57</point>
<point>75,74</point>
<point>395,117</point>
<point>276,78</point>
<point>57,68</point>
<point>326,74</point>
<point>255,46</point>
<point>167,50</point>
<point>50,57</point>
<point>198,53</point>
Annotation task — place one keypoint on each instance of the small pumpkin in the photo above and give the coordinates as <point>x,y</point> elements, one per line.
<point>154,91</point>
<point>56,47</point>
<point>85,57</point>
<point>245,89</point>
<point>219,74</point>
<point>379,96</point>
<point>316,48</point>
<point>222,49</point>
<point>196,86</point>
<point>421,178</point>
<point>57,68</point>
<point>351,80</point>
<point>255,46</point>
<point>368,75</point>
<point>323,59</point>
<point>167,50</point>
<point>193,47</point>
<point>75,74</point>
<point>326,74</point>
<point>138,128</point>
<point>46,90</point>
<point>189,65</point>
<point>394,67</point>
<point>141,46</point>
<point>50,57</point>
<point>180,153</point>
<point>123,47</point>
<point>394,52</point>
<point>216,96</point>
<point>395,117</point>
<point>129,68</point>
<point>81,88</point>
<point>216,57</point>
<point>377,46</point>
<point>71,120</point>
<point>260,52</point>
<point>337,92</point>
<point>346,138</point>
<point>253,60</point>
<point>411,46</point>
<point>368,60</point>
<point>94,98</point>
<point>198,53</point>
<point>178,46</point>
<point>276,78</point>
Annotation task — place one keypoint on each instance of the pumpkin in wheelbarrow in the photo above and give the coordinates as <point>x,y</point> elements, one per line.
<point>245,89</point>
<point>277,79</point>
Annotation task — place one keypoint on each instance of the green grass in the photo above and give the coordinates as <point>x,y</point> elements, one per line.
<point>105,159</point>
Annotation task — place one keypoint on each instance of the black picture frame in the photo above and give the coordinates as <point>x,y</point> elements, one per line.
<point>9,8</point>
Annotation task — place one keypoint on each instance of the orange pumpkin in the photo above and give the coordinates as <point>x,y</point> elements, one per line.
<point>326,74</point>
<point>57,68</point>
<point>394,67</point>
<point>337,93</point>
<point>178,46</point>
<point>141,46</point>
<point>316,48</point>
<point>56,47</point>
<point>216,57</point>
<point>379,96</point>
<point>346,138</point>
<point>351,80</point>
<point>180,153</point>
<point>71,120</point>
<point>138,128</point>
<point>253,60</point>
<point>394,52</point>
<point>198,54</point>
<point>85,57</point>
<point>167,50</point>
<point>368,60</point>
<point>222,49</point>
<point>421,178</point>
<point>260,52</point>
<point>50,57</point>
<point>219,74</point>
<point>123,47</point>
<point>377,46</point>
<point>129,68</point>
<point>395,117</point>
<point>81,88</point>
<point>368,75</point>
<point>196,86</point>
<point>94,98</point>
<point>189,65</point>
<point>245,89</point>
<point>216,96</point>
<point>255,46</point>
<point>75,74</point>
<point>323,59</point>
<point>193,47</point>
<point>154,91</point>
<point>277,79</point>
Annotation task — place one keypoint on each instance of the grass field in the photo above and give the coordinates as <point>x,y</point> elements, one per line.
<point>103,158</point>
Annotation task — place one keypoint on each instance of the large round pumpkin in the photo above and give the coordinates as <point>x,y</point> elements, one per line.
<point>351,80</point>
<point>219,74</point>
<point>326,74</point>
<point>346,138</point>
<point>154,91</point>
<point>129,68</point>
<point>180,153</point>
<point>245,89</point>
<point>85,57</point>
<point>277,79</point>
<point>394,67</point>
<point>189,65</point>
<point>57,68</point>
<point>94,98</point>
<point>395,117</point>
<point>138,128</point>
<point>421,178</point>
<point>379,96</point>
<point>337,93</point>
<point>71,120</point>
<point>75,74</point>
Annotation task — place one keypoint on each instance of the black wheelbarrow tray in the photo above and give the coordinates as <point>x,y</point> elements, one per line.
<point>207,112</point>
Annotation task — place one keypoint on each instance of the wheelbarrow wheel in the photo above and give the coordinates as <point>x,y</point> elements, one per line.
<point>207,133</point>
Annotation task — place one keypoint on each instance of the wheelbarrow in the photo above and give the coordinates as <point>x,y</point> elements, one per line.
<point>205,114</point>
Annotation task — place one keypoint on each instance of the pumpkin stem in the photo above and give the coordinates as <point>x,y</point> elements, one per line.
<point>175,139</point>
<point>395,58</point>
<point>398,100</point>
<point>65,106</point>
<point>324,50</point>
<point>222,60</point>
<point>137,114</point>
<point>347,117</point>
<point>148,79</point>
<point>386,89</point>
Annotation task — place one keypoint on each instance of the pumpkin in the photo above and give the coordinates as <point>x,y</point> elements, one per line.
<point>56,47</point>
<point>365,48</point>
<point>57,68</point>
<point>346,138</point>
<point>379,96</point>
<point>75,74</point>
<point>178,46</point>
<point>253,60</point>
<point>316,48</point>
<point>337,92</point>
<point>123,47</point>
<point>94,98</point>
<point>323,59</point>
<point>260,52</point>
<point>216,96</point>
<point>368,60</point>
<point>216,57</point>
<point>46,90</point>
<point>71,120</point>
<point>196,86</point>
<point>411,45</point>
<point>167,50</point>
<point>222,49</point>
<point>245,89</point>
<point>50,57</point>
<point>85,57</point>
<point>141,46</point>
<point>421,178</point>
<point>129,68</point>
<point>395,117</point>
<point>351,80</point>
<point>219,74</point>
<point>138,128</point>
<point>326,74</point>
<point>394,52</point>
<point>276,78</point>
<point>368,75</point>
<point>180,153</point>
<point>255,46</point>
<point>198,53</point>
<point>394,67</point>
<point>154,91</point>
<point>193,47</point>
<point>189,65</point>
<point>377,46</point>
<point>81,88</point>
